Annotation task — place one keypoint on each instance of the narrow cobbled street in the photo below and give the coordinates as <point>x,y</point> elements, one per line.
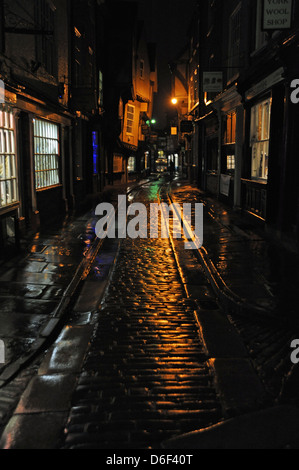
<point>145,378</point>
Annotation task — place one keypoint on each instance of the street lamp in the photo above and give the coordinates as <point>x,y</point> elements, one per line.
<point>174,101</point>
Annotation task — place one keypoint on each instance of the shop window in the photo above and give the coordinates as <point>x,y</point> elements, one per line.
<point>46,154</point>
<point>260,139</point>
<point>231,164</point>
<point>8,170</point>
<point>131,164</point>
<point>117,164</point>
<point>230,129</point>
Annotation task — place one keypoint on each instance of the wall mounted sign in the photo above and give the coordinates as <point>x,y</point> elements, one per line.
<point>212,82</point>
<point>225,185</point>
<point>277,14</point>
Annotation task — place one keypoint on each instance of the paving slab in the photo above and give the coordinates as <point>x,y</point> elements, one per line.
<point>34,432</point>
<point>275,428</point>
<point>47,393</point>
<point>67,354</point>
<point>220,337</point>
<point>238,385</point>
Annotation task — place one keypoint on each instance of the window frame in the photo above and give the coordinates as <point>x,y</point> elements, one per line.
<point>118,164</point>
<point>53,157</point>
<point>9,140</point>
<point>260,133</point>
<point>131,120</point>
<point>229,137</point>
<point>131,164</point>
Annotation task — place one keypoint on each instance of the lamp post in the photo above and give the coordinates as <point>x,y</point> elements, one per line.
<point>150,123</point>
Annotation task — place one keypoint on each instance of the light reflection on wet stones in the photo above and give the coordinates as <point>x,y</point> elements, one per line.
<point>146,366</point>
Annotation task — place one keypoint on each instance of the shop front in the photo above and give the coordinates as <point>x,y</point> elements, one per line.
<point>265,118</point>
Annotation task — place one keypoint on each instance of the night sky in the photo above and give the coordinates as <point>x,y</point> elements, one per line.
<point>167,23</point>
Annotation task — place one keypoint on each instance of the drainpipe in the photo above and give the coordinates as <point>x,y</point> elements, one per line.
<point>217,108</point>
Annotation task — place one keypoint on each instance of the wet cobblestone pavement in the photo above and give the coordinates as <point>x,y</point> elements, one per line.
<point>155,359</point>
<point>145,378</point>
<point>268,283</point>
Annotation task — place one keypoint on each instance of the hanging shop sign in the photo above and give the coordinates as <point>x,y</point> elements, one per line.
<point>277,14</point>
<point>145,129</point>
<point>186,127</point>
<point>212,82</point>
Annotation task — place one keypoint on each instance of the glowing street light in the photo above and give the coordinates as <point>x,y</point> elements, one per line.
<point>174,101</point>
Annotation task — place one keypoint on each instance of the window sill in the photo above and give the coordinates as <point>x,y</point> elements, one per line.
<point>10,208</point>
<point>41,190</point>
<point>256,181</point>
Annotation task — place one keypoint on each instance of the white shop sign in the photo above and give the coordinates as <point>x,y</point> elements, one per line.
<point>277,14</point>
<point>225,185</point>
<point>212,82</point>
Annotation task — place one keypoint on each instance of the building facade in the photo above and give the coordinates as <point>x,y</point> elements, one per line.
<point>245,121</point>
<point>77,81</point>
<point>34,116</point>
<point>131,83</point>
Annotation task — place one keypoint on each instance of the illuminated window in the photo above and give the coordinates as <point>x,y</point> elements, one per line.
<point>46,154</point>
<point>95,147</point>
<point>8,170</point>
<point>230,129</point>
<point>131,164</point>
<point>130,119</point>
<point>117,164</point>
<point>260,139</point>
<point>231,162</point>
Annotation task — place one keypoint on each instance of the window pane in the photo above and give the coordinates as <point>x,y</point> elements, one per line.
<point>46,146</point>
<point>8,171</point>
<point>260,138</point>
